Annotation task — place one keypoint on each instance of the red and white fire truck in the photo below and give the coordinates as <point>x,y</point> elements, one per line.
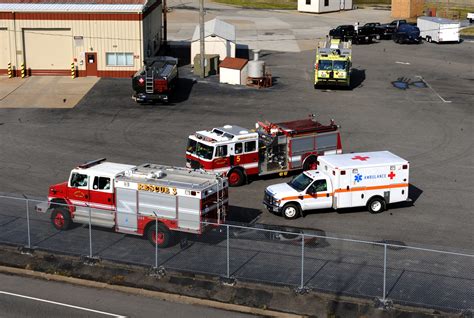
<point>130,199</point>
<point>271,148</point>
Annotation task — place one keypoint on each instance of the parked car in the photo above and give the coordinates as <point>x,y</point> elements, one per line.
<point>348,33</point>
<point>407,33</point>
<point>374,28</point>
<point>388,29</point>
<point>470,17</point>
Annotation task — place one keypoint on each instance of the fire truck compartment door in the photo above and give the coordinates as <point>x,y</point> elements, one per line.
<point>126,209</point>
<point>189,214</point>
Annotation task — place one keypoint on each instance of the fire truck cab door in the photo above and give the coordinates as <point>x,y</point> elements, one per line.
<point>78,190</point>
<point>101,193</point>
<point>221,157</point>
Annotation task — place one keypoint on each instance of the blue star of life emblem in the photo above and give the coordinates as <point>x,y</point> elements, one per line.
<point>358,178</point>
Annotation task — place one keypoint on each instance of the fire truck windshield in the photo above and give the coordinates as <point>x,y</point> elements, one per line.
<point>204,151</point>
<point>300,182</point>
<point>199,149</point>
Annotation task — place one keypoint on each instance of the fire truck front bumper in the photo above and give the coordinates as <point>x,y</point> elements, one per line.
<point>42,207</point>
<point>142,97</point>
<point>333,81</point>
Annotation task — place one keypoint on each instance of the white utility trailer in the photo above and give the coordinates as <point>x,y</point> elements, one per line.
<point>434,29</point>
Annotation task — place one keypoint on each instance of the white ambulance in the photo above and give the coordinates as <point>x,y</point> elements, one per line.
<point>372,179</point>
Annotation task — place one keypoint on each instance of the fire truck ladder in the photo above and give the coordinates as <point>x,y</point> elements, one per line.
<point>149,82</point>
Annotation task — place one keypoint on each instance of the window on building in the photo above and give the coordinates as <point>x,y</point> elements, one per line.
<point>119,59</point>
<point>308,2</point>
<point>326,3</point>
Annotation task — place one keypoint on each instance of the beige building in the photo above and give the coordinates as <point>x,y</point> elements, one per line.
<point>101,37</point>
<point>219,38</point>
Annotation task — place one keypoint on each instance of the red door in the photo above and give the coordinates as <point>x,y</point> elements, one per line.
<point>101,194</point>
<point>91,64</point>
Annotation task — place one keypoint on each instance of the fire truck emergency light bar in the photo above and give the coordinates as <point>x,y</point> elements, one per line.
<point>89,164</point>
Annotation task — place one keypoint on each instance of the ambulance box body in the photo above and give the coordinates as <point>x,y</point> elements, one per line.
<point>371,179</point>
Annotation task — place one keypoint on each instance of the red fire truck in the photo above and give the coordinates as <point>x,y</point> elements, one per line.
<point>271,148</point>
<point>130,199</point>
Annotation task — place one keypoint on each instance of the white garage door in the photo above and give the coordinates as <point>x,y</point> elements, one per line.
<point>4,46</point>
<point>48,49</point>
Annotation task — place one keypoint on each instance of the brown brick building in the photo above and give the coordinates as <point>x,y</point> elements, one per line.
<point>402,9</point>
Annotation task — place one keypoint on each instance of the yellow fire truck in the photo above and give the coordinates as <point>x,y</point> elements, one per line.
<point>333,63</point>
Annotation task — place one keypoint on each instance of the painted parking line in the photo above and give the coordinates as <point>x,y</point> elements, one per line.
<point>436,93</point>
<point>61,304</point>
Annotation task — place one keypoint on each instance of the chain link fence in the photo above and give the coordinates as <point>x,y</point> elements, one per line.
<point>303,260</point>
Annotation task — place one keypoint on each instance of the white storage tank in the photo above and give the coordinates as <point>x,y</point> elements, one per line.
<point>256,68</point>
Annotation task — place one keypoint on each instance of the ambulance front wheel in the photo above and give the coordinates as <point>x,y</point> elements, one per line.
<point>236,178</point>
<point>376,205</point>
<point>291,211</point>
<point>163,238</point>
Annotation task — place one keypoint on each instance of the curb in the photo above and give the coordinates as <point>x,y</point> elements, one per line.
<point>148,293</point>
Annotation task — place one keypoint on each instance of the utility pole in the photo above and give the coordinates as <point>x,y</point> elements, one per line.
<point>165,23</point>
<point>201,40</point>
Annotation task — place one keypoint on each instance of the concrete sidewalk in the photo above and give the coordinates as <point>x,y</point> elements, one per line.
<point>44,91</point>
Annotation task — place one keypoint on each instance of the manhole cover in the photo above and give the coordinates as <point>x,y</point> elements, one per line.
<point>269,33</point>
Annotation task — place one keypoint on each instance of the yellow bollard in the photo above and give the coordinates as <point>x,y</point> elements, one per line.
<point>73,71</point>
<point>23,70</point>
<point>10,73</point>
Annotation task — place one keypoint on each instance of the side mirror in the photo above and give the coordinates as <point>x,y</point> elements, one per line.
<point>310,191</point>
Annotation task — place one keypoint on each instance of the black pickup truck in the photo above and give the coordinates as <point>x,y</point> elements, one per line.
<point>348,33</point>
<point>388,29</point>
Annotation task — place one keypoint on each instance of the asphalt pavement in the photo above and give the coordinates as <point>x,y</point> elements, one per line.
<point>430,126</point>
<point>30,297</point>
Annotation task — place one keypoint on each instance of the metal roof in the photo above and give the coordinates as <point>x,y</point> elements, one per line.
<point>439,20</point>
<point>218,28</point>
<point>69,7</point>
<point>233,63</point>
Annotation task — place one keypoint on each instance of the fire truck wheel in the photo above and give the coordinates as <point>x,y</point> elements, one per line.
<point>61,219</point>
<point>236,178</point>
<point>376,205</point>
<point>311,163</point>
<point>163,238</point>
<point>291,211</point>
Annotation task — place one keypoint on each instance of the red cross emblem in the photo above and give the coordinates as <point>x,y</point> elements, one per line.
<point>364,158</point>
<point>391,175</point>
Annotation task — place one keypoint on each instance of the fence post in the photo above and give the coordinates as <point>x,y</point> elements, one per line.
<point>156,241</point>
<point>28,222</point>
<point>90,233</point>
<point>384,271</point>
<point>228,252</point>
<point>302,262</point>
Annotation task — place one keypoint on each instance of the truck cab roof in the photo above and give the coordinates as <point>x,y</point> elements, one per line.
<point>105,169</point>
